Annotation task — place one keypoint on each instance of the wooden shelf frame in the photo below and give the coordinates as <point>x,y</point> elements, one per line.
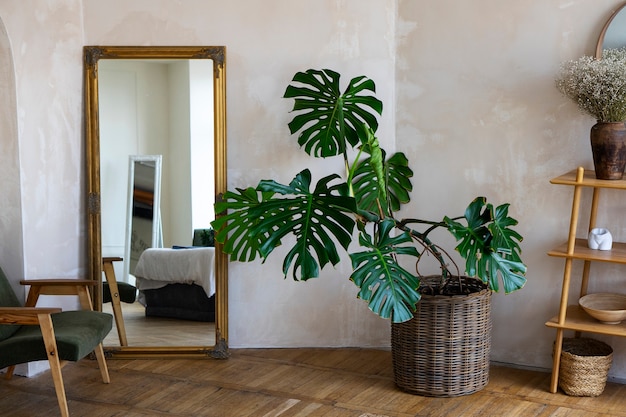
<point>577,320</point>
<point>573,317</point>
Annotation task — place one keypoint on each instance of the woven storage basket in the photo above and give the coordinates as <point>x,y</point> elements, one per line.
<point>585,365</point>
<point>444,350</point>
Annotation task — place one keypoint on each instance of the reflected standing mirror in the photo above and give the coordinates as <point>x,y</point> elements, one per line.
<point>164,110</point>
<point>143,220</point>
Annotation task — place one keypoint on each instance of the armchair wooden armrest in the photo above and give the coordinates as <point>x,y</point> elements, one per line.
<point>25,315</point>
<point>59,286</point>
<point>58,282</point>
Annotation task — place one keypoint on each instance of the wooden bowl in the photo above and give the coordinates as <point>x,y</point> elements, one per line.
<point>605,307</point>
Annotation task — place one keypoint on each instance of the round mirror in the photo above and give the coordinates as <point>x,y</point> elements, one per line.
<point>613,34</point>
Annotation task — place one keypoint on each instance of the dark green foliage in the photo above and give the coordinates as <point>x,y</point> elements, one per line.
<point>396,184</point>
<point>390,290</point>
<point>329,123</point>
<point>490,248</point>
<point>327,119</point>
<point>312,217</point>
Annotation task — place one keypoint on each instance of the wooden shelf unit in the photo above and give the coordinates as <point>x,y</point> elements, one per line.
<point>573,317</point>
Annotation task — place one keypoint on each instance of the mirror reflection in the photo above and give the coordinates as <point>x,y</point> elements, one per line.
<point>159,173</point>
<point>613,34</point>
<point>159,107</point>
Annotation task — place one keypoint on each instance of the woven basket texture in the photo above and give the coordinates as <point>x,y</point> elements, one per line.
<point>585,365</point>
<point>444,350</point>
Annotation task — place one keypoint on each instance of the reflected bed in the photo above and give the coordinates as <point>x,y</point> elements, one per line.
<point>177,283</point>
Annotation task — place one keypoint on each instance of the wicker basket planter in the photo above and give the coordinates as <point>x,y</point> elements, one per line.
<point>585,365</point>
<point>444,350</point>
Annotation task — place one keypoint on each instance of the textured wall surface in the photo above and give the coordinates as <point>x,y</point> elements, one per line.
<point>478,111</point>
<point>469,96</point>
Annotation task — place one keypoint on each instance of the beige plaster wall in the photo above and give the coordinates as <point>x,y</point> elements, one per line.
<point>478,112</point>
<point>461,82</point>
<point>46,41</point>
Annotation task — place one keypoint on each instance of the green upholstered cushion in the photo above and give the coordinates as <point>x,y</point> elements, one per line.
<point>77,334</point>
<point>7,299</point>
<point>127,292</point>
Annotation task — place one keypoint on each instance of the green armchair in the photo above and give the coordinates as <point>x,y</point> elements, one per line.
<point>30,333</point>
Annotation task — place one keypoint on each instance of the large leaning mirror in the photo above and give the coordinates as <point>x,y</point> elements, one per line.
<point>156,159</point>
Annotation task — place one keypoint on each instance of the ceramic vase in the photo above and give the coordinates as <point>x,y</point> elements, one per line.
<point>608,146</point>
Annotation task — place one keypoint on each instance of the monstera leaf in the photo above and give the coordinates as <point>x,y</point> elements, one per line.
<point>317,219</point>
<point>389,289</point>
<point>374,166</point>
<point>490,248</point>
<point>326,118</point>
<point>505,238</point>
<point>396,180</point>
<point>237,223</point>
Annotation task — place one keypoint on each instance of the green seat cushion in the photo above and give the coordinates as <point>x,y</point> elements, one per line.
<point>77,334</point>
<point>128,293</point>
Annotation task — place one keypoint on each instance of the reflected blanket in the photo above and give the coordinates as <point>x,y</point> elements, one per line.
<point>159,267</point>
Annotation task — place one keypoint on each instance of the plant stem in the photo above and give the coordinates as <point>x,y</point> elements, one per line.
<point>427,243</point>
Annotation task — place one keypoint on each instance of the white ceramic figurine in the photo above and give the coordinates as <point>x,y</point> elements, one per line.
<point>600,238</point>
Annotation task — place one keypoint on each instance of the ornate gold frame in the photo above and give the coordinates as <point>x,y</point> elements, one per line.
<point>91,56</point>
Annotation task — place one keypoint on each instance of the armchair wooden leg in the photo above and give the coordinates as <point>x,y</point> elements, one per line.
<point>102,364</point>
<point>109,273</point>
<point>84,298</point>
<point>9,373</point>
<point>47,330</point>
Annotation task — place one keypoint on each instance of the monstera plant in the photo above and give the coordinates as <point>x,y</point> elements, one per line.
<point>321,219</point>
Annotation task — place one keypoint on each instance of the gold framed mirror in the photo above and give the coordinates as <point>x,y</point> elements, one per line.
<point>177,76</point>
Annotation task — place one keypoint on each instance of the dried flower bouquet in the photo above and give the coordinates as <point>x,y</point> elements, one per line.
<point>598,86</point>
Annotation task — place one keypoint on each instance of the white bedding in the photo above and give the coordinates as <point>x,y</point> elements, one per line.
<point>159,267</point>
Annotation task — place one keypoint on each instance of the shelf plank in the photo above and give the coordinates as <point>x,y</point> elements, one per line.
<point>578,320</point>
<point>581,251</point>
<point>589,180</point>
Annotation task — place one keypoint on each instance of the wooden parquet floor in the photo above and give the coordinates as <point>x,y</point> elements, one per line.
<point>286,383</point>
<point>159,331</point>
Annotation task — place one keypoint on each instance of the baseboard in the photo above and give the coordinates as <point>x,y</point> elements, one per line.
<point>617,380</point>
